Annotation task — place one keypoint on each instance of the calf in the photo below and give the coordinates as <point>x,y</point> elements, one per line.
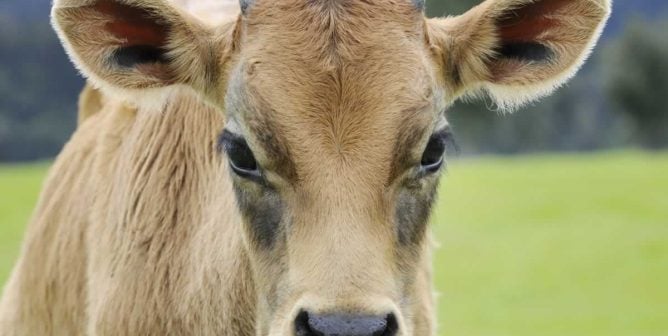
<point>271,174</point>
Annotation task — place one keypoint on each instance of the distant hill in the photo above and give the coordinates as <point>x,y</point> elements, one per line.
<point>26,10</point>
<point>624,10</point>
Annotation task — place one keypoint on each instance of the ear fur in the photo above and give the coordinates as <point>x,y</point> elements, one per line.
<point>127,45</point>
<point>516,50</point>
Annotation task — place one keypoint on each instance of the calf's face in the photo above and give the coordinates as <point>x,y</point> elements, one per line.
<point>335,128</point>
<point>329,108</point>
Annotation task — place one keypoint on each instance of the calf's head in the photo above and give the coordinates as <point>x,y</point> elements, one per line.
<point>335,128</point>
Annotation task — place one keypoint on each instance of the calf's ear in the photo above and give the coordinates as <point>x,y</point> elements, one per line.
<point>137,44</point>
<point>516,50</point>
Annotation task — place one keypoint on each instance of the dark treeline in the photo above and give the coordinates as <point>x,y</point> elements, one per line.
<point>618,100</point>
<point>38,85</point>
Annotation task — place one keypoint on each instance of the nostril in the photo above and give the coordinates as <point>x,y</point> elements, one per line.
<point>345,325</point>
<point>301,325</point>
<point>392,325</point>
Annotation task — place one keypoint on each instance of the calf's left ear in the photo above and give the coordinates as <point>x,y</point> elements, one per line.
<point>516,50</point>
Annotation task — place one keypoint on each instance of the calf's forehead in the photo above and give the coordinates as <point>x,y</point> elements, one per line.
<point>332,52</point>
<point>340,83</point>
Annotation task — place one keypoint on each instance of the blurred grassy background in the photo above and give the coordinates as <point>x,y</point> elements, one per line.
<point>542,245</point>
<point>554,245</point>
<point>19,186</point>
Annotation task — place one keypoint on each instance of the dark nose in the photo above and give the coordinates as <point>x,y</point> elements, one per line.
<point>308,324</point>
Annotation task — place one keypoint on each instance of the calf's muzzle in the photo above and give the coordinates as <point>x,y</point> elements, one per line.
<point>307,324</point>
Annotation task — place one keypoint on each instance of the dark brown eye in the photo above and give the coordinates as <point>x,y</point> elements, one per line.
<point>242,160</point>
<point>433,156</point>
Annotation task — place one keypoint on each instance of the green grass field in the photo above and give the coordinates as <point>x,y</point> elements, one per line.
<point>543,245</point>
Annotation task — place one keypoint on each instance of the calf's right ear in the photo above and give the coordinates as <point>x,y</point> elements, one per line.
<point>136,44</point>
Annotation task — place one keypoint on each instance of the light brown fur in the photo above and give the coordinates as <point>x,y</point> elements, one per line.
<point>138,231</point>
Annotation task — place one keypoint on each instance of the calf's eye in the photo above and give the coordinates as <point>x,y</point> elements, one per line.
<point>433,156</point>
<point>242,160</point>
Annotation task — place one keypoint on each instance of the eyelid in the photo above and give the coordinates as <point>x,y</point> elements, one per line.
<point>443,133</point>
<point>227,137</point>
<point>448,137</point>
<point>451,142</point>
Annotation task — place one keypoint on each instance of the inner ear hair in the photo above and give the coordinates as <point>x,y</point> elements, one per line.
<point>521,28</point>
<point>142,33</point>
<point>136,55</point>
<point>525,51</point>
